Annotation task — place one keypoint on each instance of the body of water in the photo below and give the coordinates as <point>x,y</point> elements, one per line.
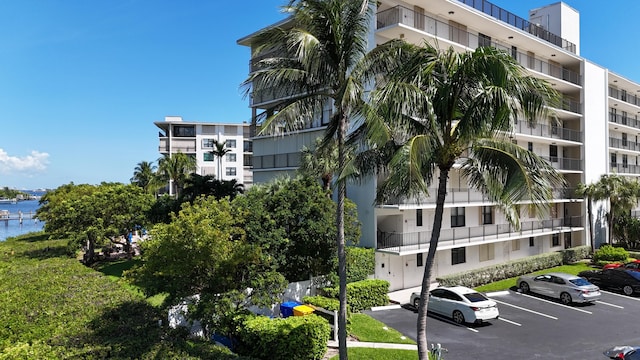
<point>9,228</point>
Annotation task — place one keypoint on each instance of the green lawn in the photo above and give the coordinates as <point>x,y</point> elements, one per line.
<point>511,282</point>
<point>367,329</point>
<point>380,354</point>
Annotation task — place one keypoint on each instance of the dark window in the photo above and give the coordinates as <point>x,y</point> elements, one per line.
<point>530,146</point>
<point>184,131</point>
<point>614,159</point>
<point>514,52</point>
<point>208,156</point>
<point>487,215</point>
<point>457,217</point>
<point>553,153</point>
<point>208,143</point>
<point>624,139</point>
<point>418,217</point>
<point>625,160</point>
<point>248,146</point>
<point>531,242</point>
<point>458,256</point>
<point>419,259</point>
<point>555,240</point>
<point>484,40</point>
<point>230,144</point>
<point>231,171</point>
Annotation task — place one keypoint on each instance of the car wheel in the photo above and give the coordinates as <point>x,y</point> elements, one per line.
<point>565,298</point>
<point>627,290</point>
<point>458,317</point>
<point>416,303</point>
<point>524,287</point>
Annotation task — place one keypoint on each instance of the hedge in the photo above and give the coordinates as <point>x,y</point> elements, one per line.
<point>295,337</point>
<point>363,294</point>
<point>361,262</point>
<point>610,253</point>
<point>575,254</point>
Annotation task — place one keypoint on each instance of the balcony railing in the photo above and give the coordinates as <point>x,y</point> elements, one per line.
<point>622,168</point>
<point>401,15</point>
<point>549,131</point>
<point>470,196</point>
<point>624,120</point>
<point>623,144</point>
<point>474,235</point>
<point>520,23</point>
<point>563,163</point>
<point>624,96</point>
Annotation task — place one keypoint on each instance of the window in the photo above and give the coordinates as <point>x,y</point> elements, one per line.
<point>208,156</point>
<point>208,143</point>
<point>230,144</point>
<point>457,217</point>
<point>614,159</point>
<point>418,217</point>
<point>231,157</point>
<point>458,256</point>
<point>184,131</point>
<point>624,139</point>
<point>515,245</point>
<point>624,118</point>
<point>531,242</point>
<point>624,160</point>
<point>487,215</point>
<point>231,171</point>
<point>553,153</point>
<point>567,240</point>
<point>247,146</point>
<point>530,146</point>
<point>419,261</point>
<point>555,240</point>
<point>484,40</point>
<point>514,52</point>
<point>487,252</point>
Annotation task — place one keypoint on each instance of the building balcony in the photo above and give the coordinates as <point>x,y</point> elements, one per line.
<point>520,23</point>
<point>462,196</point>
<point>622,95</point>
<point>564,163</point>
<point>466,236</point>
<point>400,15</point>
<point>623,144</point>
<point>548,131</point>
<point>622,168</point>
<point>624,120</point>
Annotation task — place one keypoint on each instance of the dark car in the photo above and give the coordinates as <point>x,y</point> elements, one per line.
<point>618,278</point>
<point>623,352</point>
<point>633,265</point>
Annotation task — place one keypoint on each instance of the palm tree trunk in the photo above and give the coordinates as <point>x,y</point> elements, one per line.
<point>590,214</point>
<point>342,257</point>
<point>423,349</point>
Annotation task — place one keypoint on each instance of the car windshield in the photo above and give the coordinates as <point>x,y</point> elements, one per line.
<point>475,297</point>
<point>580,282</point>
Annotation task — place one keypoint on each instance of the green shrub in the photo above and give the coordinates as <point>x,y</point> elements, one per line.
<point>361,262</point>
<point>574,254</point>
<point>610,253</point>
<point>295,337</point>
<point>363,294</point>
<point>323,302</point>
<point>482,276</point>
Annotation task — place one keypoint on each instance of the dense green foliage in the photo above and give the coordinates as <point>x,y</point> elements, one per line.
<point>203,251</point>
<point>361,262</point>
<point>52,307</point>
<point>7,193</point>
<point>295,337</point>
<point>92,215</point>
<point>610,253</point>
<point>324,302</point>
<point>574,254</point>
<point>363,294</point>
<point>293,221</point>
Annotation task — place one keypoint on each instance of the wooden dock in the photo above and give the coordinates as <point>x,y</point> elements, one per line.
<point>6,216</point>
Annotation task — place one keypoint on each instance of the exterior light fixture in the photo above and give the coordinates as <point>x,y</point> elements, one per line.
<point>451,12</point>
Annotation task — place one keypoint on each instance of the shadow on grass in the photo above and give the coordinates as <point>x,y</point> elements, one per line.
<point>116,268</point>
<point>32,237</point>
<point>47,252</point>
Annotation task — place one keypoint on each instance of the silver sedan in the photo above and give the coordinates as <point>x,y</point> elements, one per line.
<point>566,287</point>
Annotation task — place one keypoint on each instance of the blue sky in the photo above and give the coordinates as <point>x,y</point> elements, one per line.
<point>81,82</point>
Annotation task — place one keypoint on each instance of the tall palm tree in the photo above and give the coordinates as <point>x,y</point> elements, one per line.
<point>176,169</point>
<point>588,192</point>
<point>219,151</point>
<point>144,175</point>
<point>622,194</point>
<point>319,58</point>
<point>445,111</point>
<point>320,162</point>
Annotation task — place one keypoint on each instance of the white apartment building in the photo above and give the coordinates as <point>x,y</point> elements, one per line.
<point>197,139</point>
<point>597,134</point>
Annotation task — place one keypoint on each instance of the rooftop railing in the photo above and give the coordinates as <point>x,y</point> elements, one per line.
<point>408,17</point>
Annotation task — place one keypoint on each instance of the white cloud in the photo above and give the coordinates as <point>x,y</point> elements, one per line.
<point>35,162</point>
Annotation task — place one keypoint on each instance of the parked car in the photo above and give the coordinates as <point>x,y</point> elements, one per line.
<point>623,352</point>
<point>566,287</point>
<point>633,265</point>
<point>617,278</point>
<point>462,304</point>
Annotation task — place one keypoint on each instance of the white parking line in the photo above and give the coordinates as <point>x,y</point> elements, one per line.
<point>608,304</point>
<point>523,309</point>
<point>621,295</point>
<point>555,303</point>
<point>472,329</point>
<point>509,321</point>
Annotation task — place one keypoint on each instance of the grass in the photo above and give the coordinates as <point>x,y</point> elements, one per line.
<point>113,271</point>
<point>511,282</point>
<point>379,354</point>
<point>367,329</point>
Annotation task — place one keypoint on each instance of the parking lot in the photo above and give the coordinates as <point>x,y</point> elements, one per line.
<point>531,327</point>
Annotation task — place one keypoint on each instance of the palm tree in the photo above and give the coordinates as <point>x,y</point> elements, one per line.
<point>320,162</point>
<point>588,192</point>
<point>622,194</point>
<point>176,169</point>
<point>220,151</point>
<point>319,58</point>
<point>445,111</point>
<point>144,175</point>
